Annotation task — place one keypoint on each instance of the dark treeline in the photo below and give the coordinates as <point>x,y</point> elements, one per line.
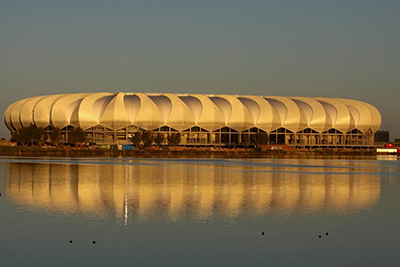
<point>37,136</point>
<point>146,138</point>
<point>31,135</point>
<point>258,140</point>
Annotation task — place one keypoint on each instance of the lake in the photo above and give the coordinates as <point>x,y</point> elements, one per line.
<point>199,212</point>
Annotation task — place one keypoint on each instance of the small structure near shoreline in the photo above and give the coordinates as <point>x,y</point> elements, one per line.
<point>388,149</point>
<point>4,142</point>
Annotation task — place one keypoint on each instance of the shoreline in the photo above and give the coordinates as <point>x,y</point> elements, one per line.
<point>184,153</point>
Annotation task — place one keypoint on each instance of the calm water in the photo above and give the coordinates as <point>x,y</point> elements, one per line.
<point>177,212</point>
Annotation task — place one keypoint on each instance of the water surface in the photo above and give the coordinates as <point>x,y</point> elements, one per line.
<point>199,212</point>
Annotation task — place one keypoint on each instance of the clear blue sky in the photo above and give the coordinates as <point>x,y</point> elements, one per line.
<point>348,49</point>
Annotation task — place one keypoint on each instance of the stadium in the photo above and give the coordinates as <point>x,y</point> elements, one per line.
<point>202,120</point>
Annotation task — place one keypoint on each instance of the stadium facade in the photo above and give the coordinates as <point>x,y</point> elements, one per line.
<point>112,118</point>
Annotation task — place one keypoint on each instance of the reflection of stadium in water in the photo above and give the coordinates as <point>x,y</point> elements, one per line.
<point>177,191</point>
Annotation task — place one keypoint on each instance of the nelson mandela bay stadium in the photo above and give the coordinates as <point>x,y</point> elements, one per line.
<point>202,120</point>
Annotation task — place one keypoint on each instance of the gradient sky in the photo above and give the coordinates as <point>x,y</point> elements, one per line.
<point>347,49</point>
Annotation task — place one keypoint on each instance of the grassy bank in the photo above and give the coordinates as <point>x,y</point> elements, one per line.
<point>180,153</point>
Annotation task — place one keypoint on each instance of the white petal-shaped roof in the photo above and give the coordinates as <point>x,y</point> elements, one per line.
<point>289,112</point>
<point>64,108</point>
<point>26,113</point>
<point>338,114</point>
<point>210,112</point>
<point>7,116</point>
<point>264,115</point>
<point>91,109</point>
<point>43,109</point>
<point>236,115</point>
<point>205,112</point>
<point>363,115</point>
<point>16,112</point>
<point>180,117</point>
<point>314,113</point>
<point>115,115</point>
<point>149,115</point>
<point>376,118</point>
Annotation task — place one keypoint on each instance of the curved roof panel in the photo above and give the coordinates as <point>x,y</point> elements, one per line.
<point>194,105</point>
<point>210,117</point>
<point>149,116</point>
<point>376,117</point>
<point>264,115</point>
<point>63,109</point>
<point>27,110</point>
<point>291,118</point>
<point>115,115</point>
<point>362,114</point>
<point>340,114</point>
<point>41,116</point>
<point>7,116</point>
<point>314,112</point>
<point>91,109</point>
<point>16,113</point>
<point>132,106</point>
<point>237,116</point>
<point>181,116</point>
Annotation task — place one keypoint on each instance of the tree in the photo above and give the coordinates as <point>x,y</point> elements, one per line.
<point>34,134</point>
<point>76,135</point>
<point>55,136</point>
<point>259,139</point>
<point>136,138</point>
<point>19,136</point>
<point>174,139</point>
<point>43,136</point>
<point>159,139</point>
<point>246,140</point>
<point>148,138</point>
<point>29,135</point>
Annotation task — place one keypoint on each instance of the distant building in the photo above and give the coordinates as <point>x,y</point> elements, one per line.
<point>382,137</point>
<point>202,120</point>
<point>4,142</point>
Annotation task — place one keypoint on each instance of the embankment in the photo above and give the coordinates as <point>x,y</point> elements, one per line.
<point>181,153</point>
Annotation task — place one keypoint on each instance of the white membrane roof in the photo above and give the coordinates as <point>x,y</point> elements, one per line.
<point>182,111</point>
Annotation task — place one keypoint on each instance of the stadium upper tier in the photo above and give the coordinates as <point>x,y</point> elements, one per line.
<point>181,111</point>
